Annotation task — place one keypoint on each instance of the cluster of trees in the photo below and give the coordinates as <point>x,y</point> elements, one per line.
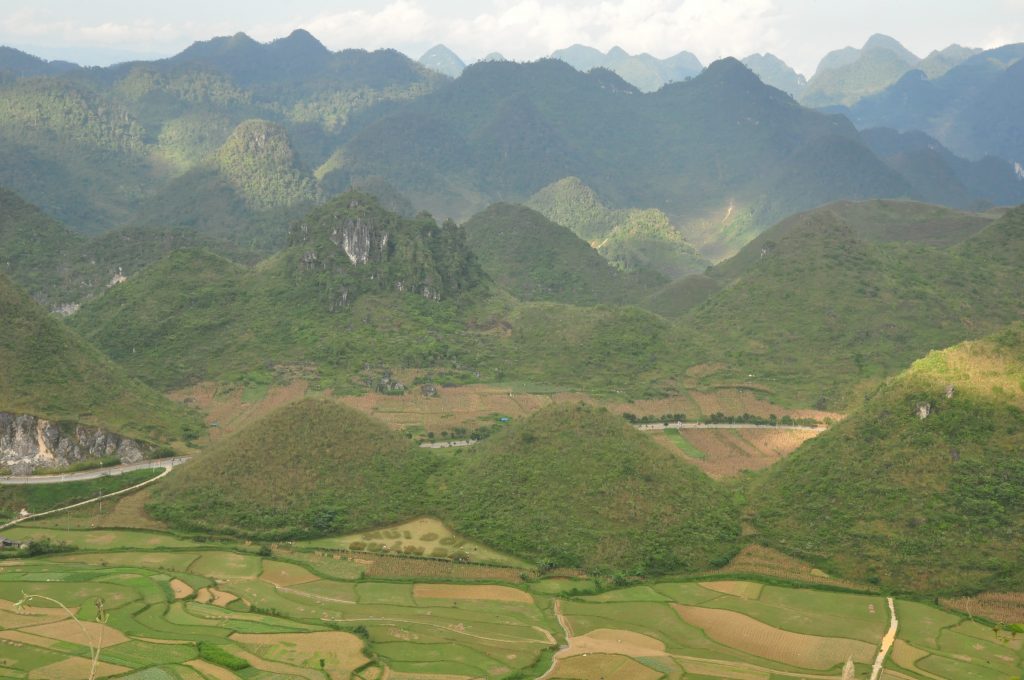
<point>719,418</point>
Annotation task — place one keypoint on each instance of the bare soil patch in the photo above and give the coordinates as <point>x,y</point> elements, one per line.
<point>70,631</point>
<point>745,589</point>
<point>180,589</point>
<point>442,591</point>
<point>218,598</point>
<point>340,651</point>
<point>602,666</point>
<point>284,574</point>
<point>759,639</point>
<point>612,641</point>
<point>75,667</point>
<point>211,670</point>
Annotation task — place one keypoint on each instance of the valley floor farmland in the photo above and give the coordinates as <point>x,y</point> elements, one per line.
<point>200,610</point>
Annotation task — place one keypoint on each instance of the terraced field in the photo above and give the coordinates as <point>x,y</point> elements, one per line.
<point>177,608</point>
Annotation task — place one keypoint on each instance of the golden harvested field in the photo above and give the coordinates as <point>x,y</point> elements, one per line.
<point>466,406</point>
<point>602,666</point>
<point>284,574</point>
<point>392,566</point>
<point>341,652</point>
<point>728,452</point>
<point>211,670</point>
<point>427,536</point>
<point>745,589</point>
<point>757,559</point>
<point>71,631</point>
<point>998,607</point>
<point>759,639</point>
<point>228,408</point>
<point>442,591</point>
<point>123,512</point>
<point>613,641</point>
<point>75,667</point>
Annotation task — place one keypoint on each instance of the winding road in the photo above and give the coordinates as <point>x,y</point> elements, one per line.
<point>113,471</point>
<point>167,464</point>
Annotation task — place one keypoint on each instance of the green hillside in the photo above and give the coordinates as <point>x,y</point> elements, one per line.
<point>358,286</point>
<point>634,240</point>
<point>933,504</point>
<point>576,486</point>
<point>536,259</point>
<point>308,469</point>
<point>817,305</point>
<point>59,267</point>
<point>49,371</point>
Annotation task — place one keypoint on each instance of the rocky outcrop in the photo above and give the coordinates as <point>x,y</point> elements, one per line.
<point>28,443</point>
<point>354,246</point>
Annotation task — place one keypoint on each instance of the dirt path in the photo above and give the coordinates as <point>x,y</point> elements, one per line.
<point>567,630</point>
<point>887,641</point>
<point>37,515</point>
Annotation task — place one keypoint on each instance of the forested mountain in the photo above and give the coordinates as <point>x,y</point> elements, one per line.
<point>922,487</point>
<point>634,240</point>
<point>536,259</point>
<point>747,155</point>
<point>102,147</point>
<point>60,268</point>
<point>970,108</point>
<point>869,297</point>
<point>233,137</point>
<point>643,71</point>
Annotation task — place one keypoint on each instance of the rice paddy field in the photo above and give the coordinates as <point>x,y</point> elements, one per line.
<point>198,610</point>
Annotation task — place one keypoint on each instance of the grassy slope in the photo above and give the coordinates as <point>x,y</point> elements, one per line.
<point>41,497</point>
<point>311,468</point>
<point>577,486</point>
<point>824,309</point>
<point>933,505</point>
<point>536,259</point>
<point>48,370</point>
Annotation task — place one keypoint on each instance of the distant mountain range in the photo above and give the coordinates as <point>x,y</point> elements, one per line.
<point>235,138</point>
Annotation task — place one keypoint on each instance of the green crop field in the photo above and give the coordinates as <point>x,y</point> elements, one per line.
<point>177,608</point>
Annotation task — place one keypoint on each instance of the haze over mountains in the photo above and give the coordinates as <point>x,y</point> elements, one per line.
<point>255,134</point>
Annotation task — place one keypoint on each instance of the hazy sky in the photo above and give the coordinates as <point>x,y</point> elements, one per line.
<point>800,31</point>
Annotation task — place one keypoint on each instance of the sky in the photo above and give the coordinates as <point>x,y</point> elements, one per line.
<point>99,32</point>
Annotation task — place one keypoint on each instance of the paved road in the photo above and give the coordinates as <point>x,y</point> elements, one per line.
<point>164,463</point>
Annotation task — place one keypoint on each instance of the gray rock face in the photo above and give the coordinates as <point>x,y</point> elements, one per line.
<point>28,443</point>
<point>361,240</point>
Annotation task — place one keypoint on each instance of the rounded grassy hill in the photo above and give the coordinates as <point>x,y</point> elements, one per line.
<point>577,486</point>
<point>310,468</point>
<point>922,488</point>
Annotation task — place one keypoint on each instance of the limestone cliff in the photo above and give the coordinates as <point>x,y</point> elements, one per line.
<point>28,443</point>
<point>354,246</point>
